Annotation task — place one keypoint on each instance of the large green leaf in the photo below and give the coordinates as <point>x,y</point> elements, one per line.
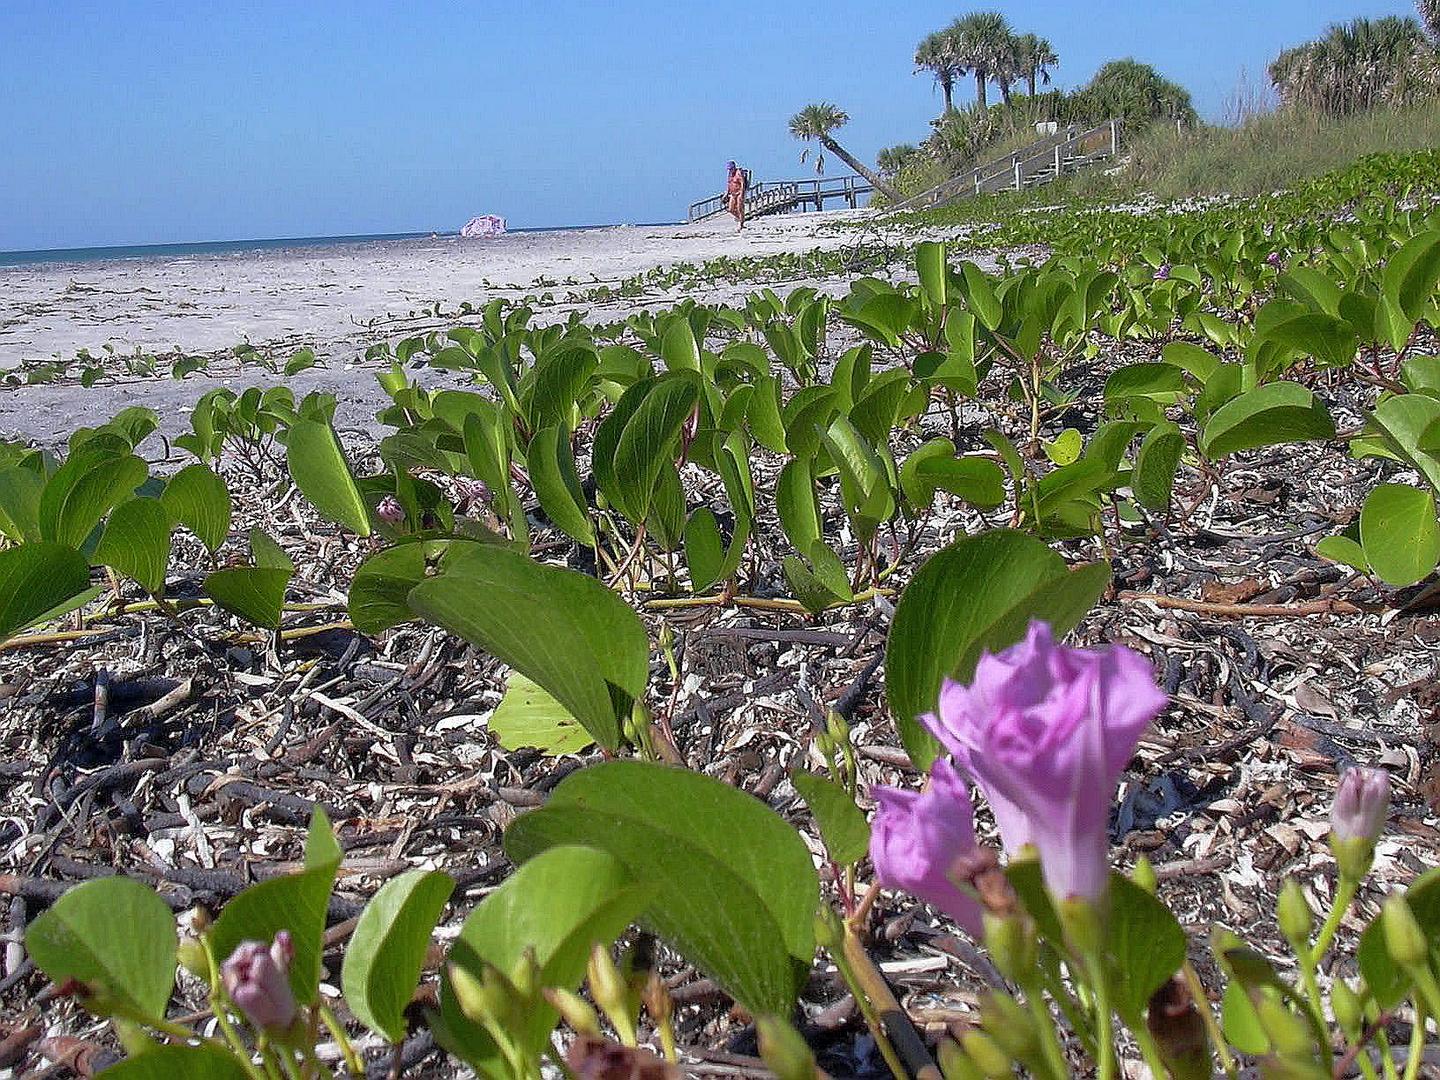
<point>562,629</point>
<point>112,932</point>
<point>930,264</point>
<point>1400,534</point>
<point>20,491</point>
<point>1153,479</point>
<point>320,471</point>
<point>842,825</point>
<point>1278,412</point>
<point>136,542</point>
<point>529,717</point>
<point>37,578</point>
<point>557,485</point>
<point>734,886</point>
<point>198,499</point>
<point>978,594</point>
<point>638,437</point>
<point>83,490</point>
<point>936,467</point>
<point>559,379</point>
<point>559,904</point>
<point>1145,942</point>
<point>1405,419</point>
<point>296,903</point>
<point>385,955</point>
<point>1412,273</point>
<point>176,1061</point>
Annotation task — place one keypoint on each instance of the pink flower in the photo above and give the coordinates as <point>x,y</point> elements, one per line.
<point>916,840</point>
<point>257,979</point>
<point>1045,731</point>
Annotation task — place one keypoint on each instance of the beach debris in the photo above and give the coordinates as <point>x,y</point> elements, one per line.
<point>483,226</point>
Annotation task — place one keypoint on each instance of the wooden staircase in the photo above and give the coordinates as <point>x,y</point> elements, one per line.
<point>1042,162</point>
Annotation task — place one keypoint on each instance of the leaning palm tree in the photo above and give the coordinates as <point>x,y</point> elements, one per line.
<point>936,54</point>
<point>1430,16</point>
<point>982,41</point>
<point>1037,57</point>
<point>815,123</point>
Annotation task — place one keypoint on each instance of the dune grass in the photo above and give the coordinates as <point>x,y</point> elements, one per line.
<point>1265,153</point>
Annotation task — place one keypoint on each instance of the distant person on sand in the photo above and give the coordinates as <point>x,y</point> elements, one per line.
<point>735,192</point>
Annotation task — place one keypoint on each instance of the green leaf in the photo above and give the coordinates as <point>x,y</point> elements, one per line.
<point>1404,420</point>
<point>934,467</point>
<point>528,717</point>
<point>83,490</point>
<point>383,961</point>
<point>198,499</point>
<point>751,924</point>
<point>1400,533</point>
<point>255,593</point>
<point>202,1062</point>
<point>381,586</point>
<point>978,594</point>
<point>557,485</point>
<point>563,629</point>
<point>1345,550</point>
<point>639,437</point>
<point>930,264</point>
<point>559,380</point>
<point>678,348</point>
<point>320,471</point>
<point>1153,479</point>
<point>1163,383</point>
<point>20,491</point>
<point>796,502</point>
<point>1199,362</point>
<point>296,903</point>
<point>1240,1021</point>
<point>1065,448</point>
<point>136,542</point>
<point>1412,273</point>
<point>704,549</point>
<point>1278,412</point>
<point>35,579</point>
<point>560,904</point>
<point>77,938</point>
<point>842,825</point>
<point>1145,943</point>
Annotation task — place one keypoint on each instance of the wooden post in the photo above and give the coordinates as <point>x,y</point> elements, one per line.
<point>1114,138</point>
<point>1018,185</point>
<point>1059,160</point>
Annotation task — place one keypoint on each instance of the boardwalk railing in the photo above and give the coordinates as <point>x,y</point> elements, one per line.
<point>1041,162</point>
<point>775,196</point>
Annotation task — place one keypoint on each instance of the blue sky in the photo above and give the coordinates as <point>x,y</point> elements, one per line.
<point>140,121</point>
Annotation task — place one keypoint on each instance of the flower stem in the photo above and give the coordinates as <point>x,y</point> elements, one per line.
<point>353,1064</point>
<point>1417,1044</point>
<point>1344,894</point>
<point>1045,1025</point>
<point>1104,1020</point>
<point>876,1004</point>
<point>1207,1014</point>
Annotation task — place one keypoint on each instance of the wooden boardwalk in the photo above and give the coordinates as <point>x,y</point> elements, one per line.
<point>780,196</point>
<point>1042,162</point>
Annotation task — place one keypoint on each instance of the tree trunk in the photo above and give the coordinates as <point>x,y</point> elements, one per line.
<point>1031,79</point>
<point>980,95</point>
<point>875,181</point>
<point>947,88</point>
<point>1005,90</point>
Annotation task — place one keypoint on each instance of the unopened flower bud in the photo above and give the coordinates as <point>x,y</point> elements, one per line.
<point>612,993</point>
<point>487,999</point>
<point>1163,274</point>
<point>1012,944</point>
<point>1404,940</point>
<point>1275,260</point>
<point>667,638</point>
<point>1357,818</point>
<point>837,726</point>
<point>1348,1008</point>
<point>784,1052</point>
<point>1007,1022</point>
<point>1144,875</point>
<point>1288,1034</point>
<point>390,511</point>
<point>191,955</point>
<point>574,1010</point>
<point>985,1052</point>
<point>955,1064</point>
<point>256,977</point>
<point>1179,1031</point>
<point>1293,913</point>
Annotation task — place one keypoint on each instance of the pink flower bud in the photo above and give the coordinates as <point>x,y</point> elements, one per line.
<point>257,979</point>
<point>917,838</point>
<point>390,511</point>
<point>1361,805</point>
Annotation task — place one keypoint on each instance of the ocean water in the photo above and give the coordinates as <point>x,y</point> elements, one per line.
<point>230,247</point>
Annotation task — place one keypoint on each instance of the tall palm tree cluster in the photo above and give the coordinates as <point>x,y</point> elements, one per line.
<point>983,45</point>
<point>1363,64</point>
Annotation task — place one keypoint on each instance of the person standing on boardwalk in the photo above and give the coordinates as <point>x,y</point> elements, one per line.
<point>735,192</point>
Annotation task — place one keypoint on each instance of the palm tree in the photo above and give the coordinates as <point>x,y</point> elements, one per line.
<point>1037,57</point>
<point>1008,66</point>
<point>894,158</point>
<point>982,41</point>
<point>816,122</point>
<point>1430,16</point>
<point>936,54</point>
<point>1356,65</point>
